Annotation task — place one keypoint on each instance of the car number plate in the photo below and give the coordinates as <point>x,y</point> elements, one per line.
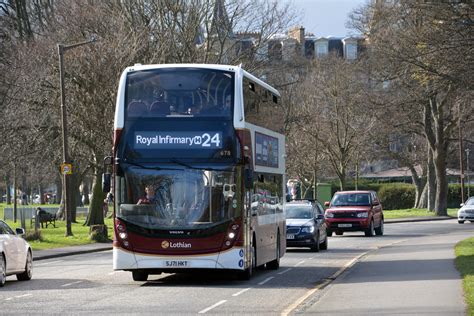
<point>177,264</point>
<point>290,236</point>
<point>344,225</point>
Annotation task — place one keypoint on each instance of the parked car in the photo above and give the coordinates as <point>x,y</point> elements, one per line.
<point>305,225</point>
<point>16,256</point>
<point>466,212</point>
<point>355,211</point>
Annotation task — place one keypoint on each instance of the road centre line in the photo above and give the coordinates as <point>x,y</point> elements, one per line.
<point>240,292</point>
<point>24,295</point>
<point>284,271</point>
<point>211,307</point>
<point>265,281</point>
<point>68,284</point>
<point>18,296</point>
<point>114,272</point>
<point>46,263</point>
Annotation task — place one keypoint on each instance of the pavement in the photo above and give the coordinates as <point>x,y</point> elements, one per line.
<point>96,247</point>
<point>69,251</point>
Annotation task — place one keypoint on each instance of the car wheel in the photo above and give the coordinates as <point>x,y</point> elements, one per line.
<point>315,246</point>
<point>139,275</point>
<point>339,233</point>
<point>379,230</point>
<point>324,245</point>
<point>369,232</point>
<point>3,271</point>
<point>461,222</point>
<point>26,275</point>
<point>275,264</point>
<point>329,233</point>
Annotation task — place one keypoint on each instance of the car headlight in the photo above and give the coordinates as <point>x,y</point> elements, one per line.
<point>363,214</point>
<point>307,229</point>
<point>329,215</point>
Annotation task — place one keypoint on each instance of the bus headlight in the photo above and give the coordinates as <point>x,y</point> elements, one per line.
<point>121,233</point>
<point>231,235</point>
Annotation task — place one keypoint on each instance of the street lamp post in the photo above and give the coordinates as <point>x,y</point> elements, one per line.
<point>467,172</point>
<point>67,207</point>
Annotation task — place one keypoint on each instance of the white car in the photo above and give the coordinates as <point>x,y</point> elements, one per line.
<point>466,212</point>
<point>16,256</point>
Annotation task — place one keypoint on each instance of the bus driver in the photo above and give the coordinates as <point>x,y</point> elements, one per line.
<point>149,197</point>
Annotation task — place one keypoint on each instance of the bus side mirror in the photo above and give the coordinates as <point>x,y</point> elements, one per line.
<point>106,182</point>
<point>248,178</point>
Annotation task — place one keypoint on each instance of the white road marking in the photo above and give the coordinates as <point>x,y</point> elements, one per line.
<point>68,284</point>
<point>265,281</point>
<point>300,263</point>
<point>24,295</point>
<point>46,263</point>
<point>114,272</point>
<point>18,296</point>
<point>211,307</point>
<point>285,271</point>
<point>240,292</point>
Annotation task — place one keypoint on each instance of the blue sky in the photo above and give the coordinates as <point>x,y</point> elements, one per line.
<point>326,17</point>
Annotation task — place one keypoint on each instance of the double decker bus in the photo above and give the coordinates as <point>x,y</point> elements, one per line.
<point>188,136</point>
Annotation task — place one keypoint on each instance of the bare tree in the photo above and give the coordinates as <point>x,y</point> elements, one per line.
<point>135,31</point>
<point>335,112</point>
<point>425,50</point>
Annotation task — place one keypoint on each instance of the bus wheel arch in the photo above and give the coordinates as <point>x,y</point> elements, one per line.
<point>275,264</point>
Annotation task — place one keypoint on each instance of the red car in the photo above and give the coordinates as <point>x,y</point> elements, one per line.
<point>354,211</point>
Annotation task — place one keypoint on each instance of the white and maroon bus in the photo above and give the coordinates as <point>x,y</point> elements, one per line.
<point>192,133</point>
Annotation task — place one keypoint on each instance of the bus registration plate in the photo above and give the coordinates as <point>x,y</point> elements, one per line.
<point>177,264</point>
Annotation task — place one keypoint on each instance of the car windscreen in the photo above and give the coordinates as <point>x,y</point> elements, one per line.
<point>351,199</point>
<point>293,211</point>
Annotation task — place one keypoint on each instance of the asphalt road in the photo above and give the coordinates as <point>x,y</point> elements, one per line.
<point>409,270</point>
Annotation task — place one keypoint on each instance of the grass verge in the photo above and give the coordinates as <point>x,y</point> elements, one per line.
<point>465,264</point>
<point>413,212</point>
<point>54,237</point>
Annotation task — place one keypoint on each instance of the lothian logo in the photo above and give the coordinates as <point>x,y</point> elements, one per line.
<point>166,244</point>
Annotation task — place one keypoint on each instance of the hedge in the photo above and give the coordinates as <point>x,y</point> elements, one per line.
<point>396,196</point>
